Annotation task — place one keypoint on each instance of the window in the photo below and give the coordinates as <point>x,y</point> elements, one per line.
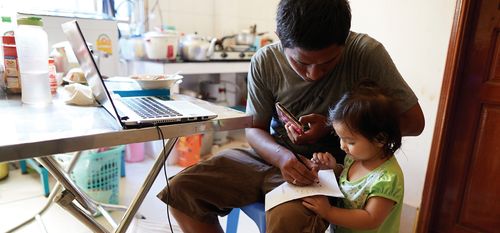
<point>77,7</point>
<point>128,13</point>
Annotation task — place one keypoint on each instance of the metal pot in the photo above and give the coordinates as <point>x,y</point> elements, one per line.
<point>196,48</point>
<point>245,38</point>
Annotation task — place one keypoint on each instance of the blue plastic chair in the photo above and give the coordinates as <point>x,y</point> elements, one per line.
<point>44,174</point>
<point>255,211</point>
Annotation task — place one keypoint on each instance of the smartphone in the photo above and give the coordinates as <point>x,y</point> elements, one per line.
<point>285,116</point>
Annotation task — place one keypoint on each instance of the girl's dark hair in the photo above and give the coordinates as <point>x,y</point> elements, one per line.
<point>313,24</point>
<point>370,111</point>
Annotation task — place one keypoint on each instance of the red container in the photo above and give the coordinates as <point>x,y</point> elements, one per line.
<point>188,150</point>
<point>11,64</point>
<point>52,76</point>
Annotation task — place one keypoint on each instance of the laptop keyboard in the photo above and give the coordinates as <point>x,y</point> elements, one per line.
<point>148,107</point>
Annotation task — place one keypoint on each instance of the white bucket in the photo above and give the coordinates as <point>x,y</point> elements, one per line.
<point>162,46</point>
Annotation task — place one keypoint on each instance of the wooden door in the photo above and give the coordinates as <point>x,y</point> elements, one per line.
<point>462,189</point>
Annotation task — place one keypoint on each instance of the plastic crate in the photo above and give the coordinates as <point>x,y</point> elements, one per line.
<point>97,173</point>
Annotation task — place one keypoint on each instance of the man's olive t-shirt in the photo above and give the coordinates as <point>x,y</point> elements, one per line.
<point>271,79</point>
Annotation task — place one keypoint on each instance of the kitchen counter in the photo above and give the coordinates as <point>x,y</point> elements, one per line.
<point>208,67</point>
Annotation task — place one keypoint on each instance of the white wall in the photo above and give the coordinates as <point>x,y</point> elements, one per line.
<point>416,34</point>
<point>215,17</point>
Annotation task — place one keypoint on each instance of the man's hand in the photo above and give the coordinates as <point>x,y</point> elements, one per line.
<point>317,129</point>
<point>294,172</point>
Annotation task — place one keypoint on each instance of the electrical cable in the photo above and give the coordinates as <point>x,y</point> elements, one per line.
<point>160,136</point>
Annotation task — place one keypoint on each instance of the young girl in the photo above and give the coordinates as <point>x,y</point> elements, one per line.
<point>366,120</point>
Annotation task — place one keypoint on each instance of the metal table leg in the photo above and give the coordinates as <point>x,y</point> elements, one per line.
<point>65,199</point>
<point>90,207</point>
<point>143,191</point>
<point>53,193</point>
<point>52,166</point>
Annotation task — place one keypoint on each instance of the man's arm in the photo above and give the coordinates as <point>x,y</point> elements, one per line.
<point>272,152</point>
<point>412,122</point>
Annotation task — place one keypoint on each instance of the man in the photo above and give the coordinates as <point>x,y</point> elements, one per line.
<point>316,61</point>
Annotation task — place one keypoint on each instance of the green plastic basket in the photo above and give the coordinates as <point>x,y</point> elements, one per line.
<point>98,174</point>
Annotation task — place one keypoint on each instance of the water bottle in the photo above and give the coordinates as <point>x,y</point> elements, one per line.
<point>33,52</point>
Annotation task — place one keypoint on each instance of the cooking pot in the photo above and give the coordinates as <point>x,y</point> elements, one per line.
<point>161,45</point>
<point>196,48</point>
<point>245,37</point>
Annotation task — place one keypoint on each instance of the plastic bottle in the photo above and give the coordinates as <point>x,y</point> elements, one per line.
<point>33,52</point>
<point>6,28</point>
<point>11,65</point>
<point>52,76</point>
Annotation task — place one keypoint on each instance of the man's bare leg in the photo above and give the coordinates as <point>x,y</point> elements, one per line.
<point>190,225</point>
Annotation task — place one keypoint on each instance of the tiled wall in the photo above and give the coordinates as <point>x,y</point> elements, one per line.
<point>215,17</point>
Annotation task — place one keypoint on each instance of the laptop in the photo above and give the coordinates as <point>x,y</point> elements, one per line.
<point>130,112</point>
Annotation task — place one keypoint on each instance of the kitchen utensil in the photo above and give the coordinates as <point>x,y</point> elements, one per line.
<point>245,37</point>
<point>60,57</point>
<point>197,48</point>
<point>149,81</point>
<point>161,45</point>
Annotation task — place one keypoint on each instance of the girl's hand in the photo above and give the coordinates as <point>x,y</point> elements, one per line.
<point>317,129</point>
<point>319,204</point>
<point>324,160</point>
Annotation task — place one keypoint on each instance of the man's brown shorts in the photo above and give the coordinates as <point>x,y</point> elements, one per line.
<point>234,178</point>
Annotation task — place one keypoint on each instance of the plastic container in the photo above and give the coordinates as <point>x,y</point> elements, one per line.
<point>4,170</point>
<point>132,48</point>
<point>188,150</point>
<point>11,65</point>
<point>134,152</point>
<point>52,76</point>
<point>98,174</point>
<point>161,45</point>
<point>5,26</point>
<point>33,51</point>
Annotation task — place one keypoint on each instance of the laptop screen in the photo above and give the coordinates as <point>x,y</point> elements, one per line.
<point>87,63</point>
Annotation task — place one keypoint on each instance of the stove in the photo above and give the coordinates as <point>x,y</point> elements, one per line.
<point>232,56</point>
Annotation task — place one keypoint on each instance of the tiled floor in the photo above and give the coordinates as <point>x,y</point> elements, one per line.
<point>21,197</point>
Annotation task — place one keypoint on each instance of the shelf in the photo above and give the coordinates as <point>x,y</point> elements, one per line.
<point>150,67</point>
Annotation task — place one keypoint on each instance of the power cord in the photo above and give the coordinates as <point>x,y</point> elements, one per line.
<point>160,136</point>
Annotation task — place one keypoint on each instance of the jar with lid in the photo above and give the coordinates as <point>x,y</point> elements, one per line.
<point>33,52</point>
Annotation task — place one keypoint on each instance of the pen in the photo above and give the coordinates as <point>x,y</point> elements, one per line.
<point>289,147</point>
<point>293,152</point>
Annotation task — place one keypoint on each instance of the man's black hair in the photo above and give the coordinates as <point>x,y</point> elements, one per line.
<point>313,24</point>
